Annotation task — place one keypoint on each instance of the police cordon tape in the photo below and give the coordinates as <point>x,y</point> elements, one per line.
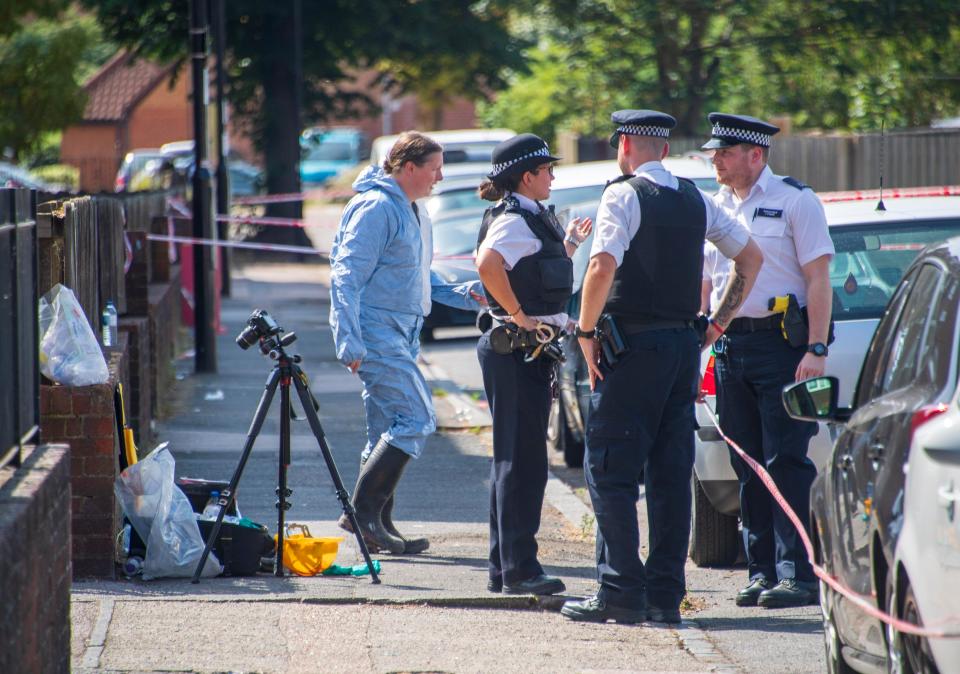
<point>305,250</point>
<point>861,601</point>
<point>283,198</point>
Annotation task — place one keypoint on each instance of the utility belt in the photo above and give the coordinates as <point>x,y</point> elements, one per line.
<point>613,331</point>
<point>542,342</point>
<point>789,318</point>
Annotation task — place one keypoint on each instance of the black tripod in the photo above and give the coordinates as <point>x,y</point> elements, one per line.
<point>285,371</point>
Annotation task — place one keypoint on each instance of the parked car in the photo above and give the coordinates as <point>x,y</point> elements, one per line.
<point>325,153</point>
<point>245,178</point>
<point>873,249</point>
<point>15,176</point>
<point>133,162</point>
<point>465,146</point>
<point>883,510</point>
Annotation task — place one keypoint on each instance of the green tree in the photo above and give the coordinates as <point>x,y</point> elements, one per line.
<point>827,63</point>
<point>406,39</point>
<point>42,65</point>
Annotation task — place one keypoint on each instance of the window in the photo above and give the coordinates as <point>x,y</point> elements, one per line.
<point>902,363</point>
<point>937,349</point>
<point>871,258</point>
<point>871,375</point>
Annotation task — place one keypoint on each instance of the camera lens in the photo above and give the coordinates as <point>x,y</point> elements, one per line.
<point>247,337</point>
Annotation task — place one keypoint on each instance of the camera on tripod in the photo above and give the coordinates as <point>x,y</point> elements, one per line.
<point>262,329</point>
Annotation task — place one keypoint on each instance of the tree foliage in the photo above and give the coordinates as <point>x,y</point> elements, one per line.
<point>416,44</point>
<point>845,64</point>
<point>42,65</point>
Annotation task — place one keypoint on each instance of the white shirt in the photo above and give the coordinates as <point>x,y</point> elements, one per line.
<point>790,227</point>
<point>510,236</point>
<point>426,252</point>
<point>618,218</point>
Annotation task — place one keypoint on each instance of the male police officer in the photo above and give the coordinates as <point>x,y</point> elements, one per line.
<point>755,361</point>
<point>645,271</point>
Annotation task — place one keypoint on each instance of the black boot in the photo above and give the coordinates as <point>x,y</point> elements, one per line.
<point>412,546</point>
<point>376,484</point>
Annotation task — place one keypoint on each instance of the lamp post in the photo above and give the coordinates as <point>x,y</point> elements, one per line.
<point>205,343</point>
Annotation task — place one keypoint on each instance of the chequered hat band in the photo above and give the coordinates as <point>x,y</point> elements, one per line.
<point>644,130</point>
<point>742,135</point>
<point>503,166</point>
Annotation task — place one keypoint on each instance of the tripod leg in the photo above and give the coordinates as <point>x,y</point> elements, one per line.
<point>282,491</point>
<point>342,494</point>
<point>228,496</point>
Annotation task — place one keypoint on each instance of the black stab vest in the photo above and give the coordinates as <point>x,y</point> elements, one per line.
<point>542,282</point>
<point>660,277</point>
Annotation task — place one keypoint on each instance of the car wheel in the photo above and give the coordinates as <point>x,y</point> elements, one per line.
<point>833,646</point>
<point>561,439</point>
<point>714,539</point>
<point>554,427</point>
<point>908,653</point>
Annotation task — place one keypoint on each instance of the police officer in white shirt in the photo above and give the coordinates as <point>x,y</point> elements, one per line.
<point>524,264</point>
<point>644,271</point>
<point>755,361</point>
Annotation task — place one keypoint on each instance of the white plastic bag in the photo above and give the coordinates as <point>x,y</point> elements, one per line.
<point>162,516</point>
<point>69,352</point>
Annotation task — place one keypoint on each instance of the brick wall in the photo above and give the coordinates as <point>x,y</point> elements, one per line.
<point>83,417</point>
<point>35,566</point>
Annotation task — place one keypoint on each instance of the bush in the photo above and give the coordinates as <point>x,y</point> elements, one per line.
<point>59,174</point>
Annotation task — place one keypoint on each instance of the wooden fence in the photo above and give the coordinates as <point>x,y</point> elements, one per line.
<point>914,158</point>
<point>83,246</point>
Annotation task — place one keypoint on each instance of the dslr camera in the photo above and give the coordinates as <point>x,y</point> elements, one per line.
<point>262,329</point>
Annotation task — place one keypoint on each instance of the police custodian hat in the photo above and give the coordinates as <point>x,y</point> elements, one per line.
<point>641,123</point>
<point>730,130</point>
<point>518,154</point>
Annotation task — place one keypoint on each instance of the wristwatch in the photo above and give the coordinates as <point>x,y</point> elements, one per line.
<point>817,349</point>
<point>589,334</point>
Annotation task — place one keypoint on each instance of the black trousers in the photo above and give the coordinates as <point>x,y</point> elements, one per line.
<point>642,420</point>
<point>519,397</point>
<point>751,372</point>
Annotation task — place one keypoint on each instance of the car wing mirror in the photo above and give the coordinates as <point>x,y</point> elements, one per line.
<point>814,400</point>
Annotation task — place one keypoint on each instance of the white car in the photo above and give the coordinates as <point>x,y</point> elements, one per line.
<point>874,247</point>
<point>927,557</point>
<point>465,146</point>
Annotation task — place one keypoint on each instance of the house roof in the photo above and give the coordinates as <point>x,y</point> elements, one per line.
<point>119,85</point>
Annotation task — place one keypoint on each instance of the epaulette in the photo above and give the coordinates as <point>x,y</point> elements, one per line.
<point>619,179</point>
<point>793,182</point>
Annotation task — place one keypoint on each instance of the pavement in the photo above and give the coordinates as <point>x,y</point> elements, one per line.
<point>431,612</point>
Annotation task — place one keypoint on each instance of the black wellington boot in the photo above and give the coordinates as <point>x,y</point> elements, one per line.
<point>412,546</point>
<point>376,484</point>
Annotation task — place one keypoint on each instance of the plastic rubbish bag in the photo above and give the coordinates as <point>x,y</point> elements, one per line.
<point>163,517</point>
<point>69,352</point>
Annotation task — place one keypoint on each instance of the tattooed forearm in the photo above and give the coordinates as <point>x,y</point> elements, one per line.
<point>732,298</point>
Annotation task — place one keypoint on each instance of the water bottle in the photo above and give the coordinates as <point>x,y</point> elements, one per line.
<point>212,509</point>
<point>108,323</point>
<point>132,566</point>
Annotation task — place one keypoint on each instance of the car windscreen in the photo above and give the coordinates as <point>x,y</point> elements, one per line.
<point>459,153</point>
<point>455,200</point>
<point>331,150</point>
<point>872,258</point>
<point>456,237</point>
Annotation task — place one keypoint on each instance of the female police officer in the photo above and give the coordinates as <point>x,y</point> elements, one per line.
<point>524,264</point>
